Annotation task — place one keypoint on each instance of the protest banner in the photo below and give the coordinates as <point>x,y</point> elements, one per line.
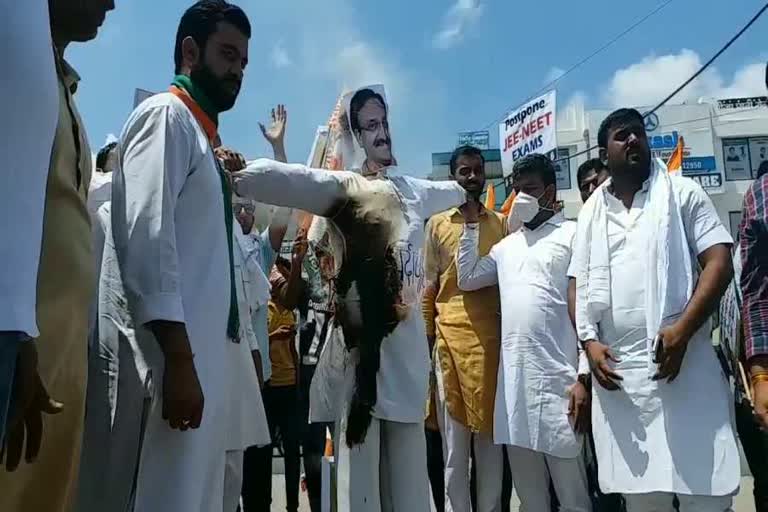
<point>530,128</point>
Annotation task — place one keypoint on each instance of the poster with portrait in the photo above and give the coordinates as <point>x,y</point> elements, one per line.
<point>758,151</point>
<point>368,144</point>
<point>736,158</point>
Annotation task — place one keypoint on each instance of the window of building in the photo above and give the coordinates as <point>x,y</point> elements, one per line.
<point>743,157</point>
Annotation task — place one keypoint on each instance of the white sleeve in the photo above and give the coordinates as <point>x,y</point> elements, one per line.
<point>30,107</point>
<point>474,272</point>
<point>315,191</point>
<point>703,227</point>
<point>156,153</point>
<point>441,195</point>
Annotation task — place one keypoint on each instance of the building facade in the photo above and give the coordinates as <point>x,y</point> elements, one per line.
<point>726,140</point>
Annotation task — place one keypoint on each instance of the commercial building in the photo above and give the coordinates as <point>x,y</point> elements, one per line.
<point>726,140</point>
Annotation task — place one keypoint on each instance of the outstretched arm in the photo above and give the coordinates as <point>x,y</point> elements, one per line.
<point>315,191</point>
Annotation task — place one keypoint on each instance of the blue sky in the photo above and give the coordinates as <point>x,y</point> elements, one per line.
<point>449,65</point>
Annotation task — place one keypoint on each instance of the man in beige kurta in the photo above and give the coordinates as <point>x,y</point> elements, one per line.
<point>64,293</point>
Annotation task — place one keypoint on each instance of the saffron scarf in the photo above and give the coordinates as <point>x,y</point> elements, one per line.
<point>206,115</point>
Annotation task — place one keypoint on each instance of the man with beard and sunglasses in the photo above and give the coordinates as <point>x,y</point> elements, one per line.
<point>173,290</point>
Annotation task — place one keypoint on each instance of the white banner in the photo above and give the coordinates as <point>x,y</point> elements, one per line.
<point>530,128</point>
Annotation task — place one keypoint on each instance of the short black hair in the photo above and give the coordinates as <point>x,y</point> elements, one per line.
<point>360,98</point>
<point>103,155</point>
<point>200,21</point>
<point>281,261</point>
<point>620,117</point>
<point>465,150</point>
<point>763,169</point>
<point>593,164</point>
<point>538,164</point>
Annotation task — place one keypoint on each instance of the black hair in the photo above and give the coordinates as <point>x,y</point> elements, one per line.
<point>593,164</point>
<point>200,21</point>
<point>281,261</point>
<point>360,98</point>
<point>538,164</point>
<point>103,155</point>
<point>465,150</point>
<point>763,169</point>
<point>621,117</point>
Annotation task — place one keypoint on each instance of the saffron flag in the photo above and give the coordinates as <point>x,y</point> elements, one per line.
<point>507,206</point>
<point>490,197</point>
<point>675,162</point>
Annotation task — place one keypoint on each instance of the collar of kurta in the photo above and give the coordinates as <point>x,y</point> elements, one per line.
<point>456,210</point>
<point>68,75</point>
<point>555,220</point>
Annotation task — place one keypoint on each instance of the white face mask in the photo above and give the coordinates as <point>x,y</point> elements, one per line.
<point>525,207</point>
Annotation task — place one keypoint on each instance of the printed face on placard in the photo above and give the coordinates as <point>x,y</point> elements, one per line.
<point>368,116</point>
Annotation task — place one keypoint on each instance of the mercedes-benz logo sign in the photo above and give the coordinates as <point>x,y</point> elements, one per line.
<point>651,121</point>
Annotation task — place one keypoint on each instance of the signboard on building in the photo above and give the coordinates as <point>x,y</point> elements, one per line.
<point>140,95</point>
<point>530,128</point>
<point>734,103</point>
<point>479,139</point>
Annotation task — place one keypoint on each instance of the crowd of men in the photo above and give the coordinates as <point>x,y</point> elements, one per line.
<point>155,347</point>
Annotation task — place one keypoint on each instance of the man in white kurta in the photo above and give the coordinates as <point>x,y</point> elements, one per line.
<point>388,471</point>
<point>171,245</point>
<point>30,112</point>
<point>248,419</point>
<point>539,364</point>
<point>662,409</point>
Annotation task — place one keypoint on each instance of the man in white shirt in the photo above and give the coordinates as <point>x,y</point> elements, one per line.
<point>173,239</point>
<point>651,262</point>
<point>29,106</point>
<point>541,398</point>
<point>387,469</point>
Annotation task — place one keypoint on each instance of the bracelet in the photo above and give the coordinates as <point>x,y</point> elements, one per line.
<point>759,377</point>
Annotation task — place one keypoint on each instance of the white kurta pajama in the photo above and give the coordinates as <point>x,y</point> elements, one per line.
<point>655,439</point>
<point>171,244</point>
<point>248,419</point>
<point>539,360</point>
<point>389,470</point>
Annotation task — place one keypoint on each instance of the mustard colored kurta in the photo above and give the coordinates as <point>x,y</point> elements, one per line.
<point>466,325</point>
<point>64,293</point>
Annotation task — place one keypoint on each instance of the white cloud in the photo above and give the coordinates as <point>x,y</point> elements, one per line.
<point>461,15</point>
<point>554,74</point>
<point>654,77</point>
<point>360,64</point>
<point>279,56</point>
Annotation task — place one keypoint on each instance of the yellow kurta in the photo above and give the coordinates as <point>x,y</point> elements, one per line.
<point>64,289</point>
<point>466,325</point>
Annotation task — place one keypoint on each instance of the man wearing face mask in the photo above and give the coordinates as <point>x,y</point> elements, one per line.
<point>541,406</point>
<point>172,264</point>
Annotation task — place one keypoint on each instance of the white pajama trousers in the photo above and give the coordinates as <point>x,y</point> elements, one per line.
<point>531,473</point>
<point>662,502</point>
<point>233,479</point>
<point>489,460</point>
<point>387,473</point>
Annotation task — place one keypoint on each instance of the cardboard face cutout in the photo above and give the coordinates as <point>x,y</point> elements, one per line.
<point>368,136</point>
